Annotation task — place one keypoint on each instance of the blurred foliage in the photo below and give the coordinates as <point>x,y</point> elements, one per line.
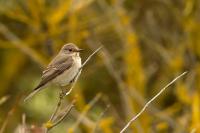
<point>146,44</point>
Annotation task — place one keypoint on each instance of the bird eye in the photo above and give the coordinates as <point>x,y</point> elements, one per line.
<point>70,50</point>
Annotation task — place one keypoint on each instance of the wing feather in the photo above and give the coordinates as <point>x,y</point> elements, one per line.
<point>54,69</point>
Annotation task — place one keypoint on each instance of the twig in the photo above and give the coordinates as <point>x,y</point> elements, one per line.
<point>98,120</point>
<point>66,112</point>
<point>73,84</point>
<point>56,109</point>
<point>52,122</point>
<point>91,56</point>
<point>150,101</point>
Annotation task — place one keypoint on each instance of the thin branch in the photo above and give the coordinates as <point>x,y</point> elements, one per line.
<point>150,101</point>
<point>52,122</point>
<point>91,56</point>
<point>57,108</point>
<point>66,112</point>
<point>73,84</point>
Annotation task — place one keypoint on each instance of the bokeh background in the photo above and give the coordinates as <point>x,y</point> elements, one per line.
<point>146,44</point>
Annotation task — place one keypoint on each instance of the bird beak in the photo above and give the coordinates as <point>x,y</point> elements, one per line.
<point>79,50</point>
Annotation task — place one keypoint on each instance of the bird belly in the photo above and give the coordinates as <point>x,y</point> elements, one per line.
<point>67,76</point>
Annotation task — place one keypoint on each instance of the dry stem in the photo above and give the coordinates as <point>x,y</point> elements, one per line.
<point>150,101</point>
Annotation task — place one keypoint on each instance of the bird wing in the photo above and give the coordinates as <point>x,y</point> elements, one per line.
<point>55,68</point>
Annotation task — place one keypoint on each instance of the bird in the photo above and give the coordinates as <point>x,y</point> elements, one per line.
<point>62,70</point>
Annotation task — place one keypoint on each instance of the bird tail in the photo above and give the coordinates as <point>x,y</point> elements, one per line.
<point>32,94</point>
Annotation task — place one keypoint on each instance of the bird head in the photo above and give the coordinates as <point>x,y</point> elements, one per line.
<point>70,49</point>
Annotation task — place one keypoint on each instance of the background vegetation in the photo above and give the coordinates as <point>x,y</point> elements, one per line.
<point>146,44</point>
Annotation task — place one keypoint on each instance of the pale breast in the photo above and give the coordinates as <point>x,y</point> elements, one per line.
<point>67,76</point>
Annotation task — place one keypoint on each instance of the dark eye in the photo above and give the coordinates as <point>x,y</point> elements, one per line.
<point>70,50</point>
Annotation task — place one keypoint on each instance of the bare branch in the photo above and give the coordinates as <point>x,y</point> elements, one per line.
<point>73,84</point>
<point>150,101</point>
<point>52,122</point>
<point>66,112</point>
<point>91,56</point>
<point>57,108</point>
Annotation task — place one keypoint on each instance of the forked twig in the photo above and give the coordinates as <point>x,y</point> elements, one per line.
<point>150,101</point>
<point>66,112</point>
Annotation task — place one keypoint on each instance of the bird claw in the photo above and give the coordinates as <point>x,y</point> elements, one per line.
<point>72,81</point>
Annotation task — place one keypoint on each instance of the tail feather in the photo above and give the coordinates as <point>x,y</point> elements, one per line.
<point>32,94</point>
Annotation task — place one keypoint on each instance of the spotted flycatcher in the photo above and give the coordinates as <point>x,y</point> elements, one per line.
<point>62,70</point>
